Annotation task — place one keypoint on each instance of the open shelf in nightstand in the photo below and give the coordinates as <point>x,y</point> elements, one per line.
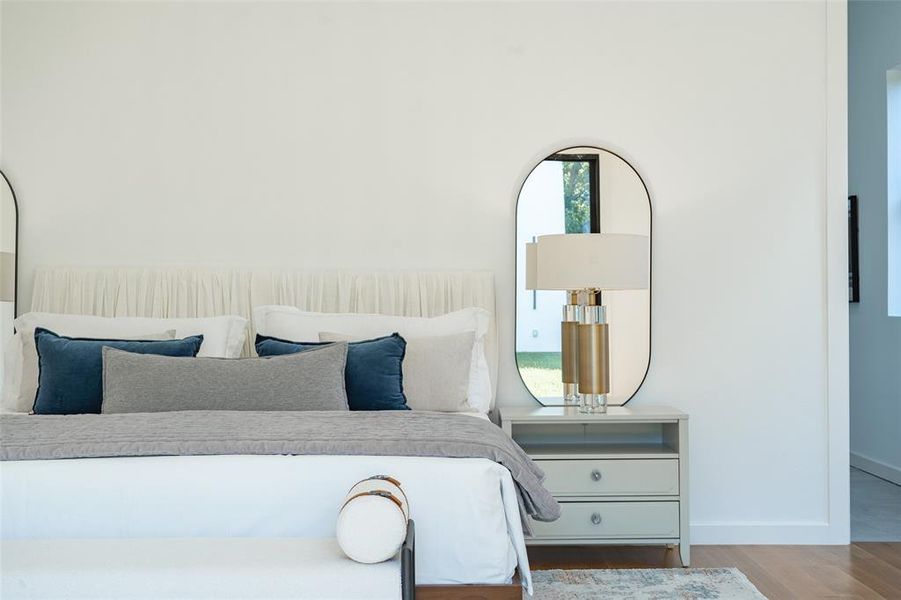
<point>598,439</point>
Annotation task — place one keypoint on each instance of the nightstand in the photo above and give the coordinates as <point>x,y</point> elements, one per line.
<point>620,477</point>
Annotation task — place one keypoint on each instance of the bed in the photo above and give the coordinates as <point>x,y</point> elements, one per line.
<point>467,516</point>
<point>467,509</point>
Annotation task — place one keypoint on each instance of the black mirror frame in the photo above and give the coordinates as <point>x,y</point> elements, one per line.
<point>565,147</point>
<point>16,260</point>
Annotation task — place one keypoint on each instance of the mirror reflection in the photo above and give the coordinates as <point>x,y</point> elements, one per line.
<point>579,191</point>
<point>8,219</point>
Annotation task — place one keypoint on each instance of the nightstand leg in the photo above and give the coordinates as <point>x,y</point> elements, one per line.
<point>684,526</point>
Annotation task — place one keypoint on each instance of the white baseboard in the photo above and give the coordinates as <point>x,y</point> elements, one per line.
<point>876,467</point>
<point>767,532</point>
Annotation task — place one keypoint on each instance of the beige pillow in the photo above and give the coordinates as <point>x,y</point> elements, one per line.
<point>435,370</point>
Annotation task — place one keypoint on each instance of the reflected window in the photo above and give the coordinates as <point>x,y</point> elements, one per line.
<point>560,196</point>
<point>578,191</point>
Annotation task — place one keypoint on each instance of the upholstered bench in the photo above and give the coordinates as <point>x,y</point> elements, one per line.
<point>198,568</point>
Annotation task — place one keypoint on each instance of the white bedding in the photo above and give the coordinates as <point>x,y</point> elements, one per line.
<point>466,512</point>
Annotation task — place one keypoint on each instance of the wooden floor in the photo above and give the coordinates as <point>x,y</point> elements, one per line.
<point>859,571</point>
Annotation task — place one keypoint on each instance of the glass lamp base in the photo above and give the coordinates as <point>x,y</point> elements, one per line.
<point>570,396</point>
<point>593,404</point>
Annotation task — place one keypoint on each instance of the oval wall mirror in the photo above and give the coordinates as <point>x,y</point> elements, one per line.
<point>582,190</point>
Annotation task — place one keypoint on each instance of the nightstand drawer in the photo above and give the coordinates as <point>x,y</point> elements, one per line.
<point>614,477</point>
<point>626,520</point>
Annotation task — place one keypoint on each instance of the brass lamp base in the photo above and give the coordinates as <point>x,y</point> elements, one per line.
<point>569,336</point>
<point>594,360</point>
<point>585,353</point>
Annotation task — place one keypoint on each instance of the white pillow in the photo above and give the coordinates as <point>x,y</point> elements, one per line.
<point>12,375</point>
<point>223,337</point>
<point>435,370</point>
<point>291,323</point>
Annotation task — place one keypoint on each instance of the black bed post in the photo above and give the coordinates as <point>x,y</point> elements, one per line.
<point>408,564</point>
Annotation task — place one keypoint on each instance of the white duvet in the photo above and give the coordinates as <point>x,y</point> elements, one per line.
<point>466,512</point>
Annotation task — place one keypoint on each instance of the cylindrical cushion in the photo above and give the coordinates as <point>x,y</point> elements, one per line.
<point>372,523</point>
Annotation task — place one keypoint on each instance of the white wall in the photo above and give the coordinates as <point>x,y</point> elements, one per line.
<point>7,309</point>
<point>397,135</point>
<point>874,48</point>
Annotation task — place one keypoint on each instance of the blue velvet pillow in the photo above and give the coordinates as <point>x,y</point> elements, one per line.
<point>373,377</point>
<point>70,379</point>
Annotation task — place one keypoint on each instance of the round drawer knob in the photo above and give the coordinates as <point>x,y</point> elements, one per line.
<point>596,518</point>
<point>596,475</point>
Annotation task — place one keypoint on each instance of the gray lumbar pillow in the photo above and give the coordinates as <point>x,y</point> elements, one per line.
<point>311,380</point>
<point>436,370</point>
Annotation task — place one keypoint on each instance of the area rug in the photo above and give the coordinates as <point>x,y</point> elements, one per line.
<point>644,584</point>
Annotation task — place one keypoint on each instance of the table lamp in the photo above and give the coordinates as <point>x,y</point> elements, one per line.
<point>583,264</point>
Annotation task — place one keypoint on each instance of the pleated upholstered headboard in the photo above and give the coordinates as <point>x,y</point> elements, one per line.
<point>206,292</point>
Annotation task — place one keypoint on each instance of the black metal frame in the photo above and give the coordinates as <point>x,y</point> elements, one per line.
<point>594,184</point>
<point>408,563</point>
<point>853,251</point>
<point>650,259</point>
<point>16,250</point>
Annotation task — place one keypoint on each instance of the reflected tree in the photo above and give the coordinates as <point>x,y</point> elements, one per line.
<point>577,196</point>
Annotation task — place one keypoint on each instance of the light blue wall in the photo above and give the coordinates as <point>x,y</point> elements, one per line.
<point>874,47</point>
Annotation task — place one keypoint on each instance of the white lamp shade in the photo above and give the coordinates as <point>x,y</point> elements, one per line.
<point>600,261</point>
<point>532,266</point>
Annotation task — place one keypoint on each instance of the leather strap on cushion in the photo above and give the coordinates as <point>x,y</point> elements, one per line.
<point>381,493</point>
<point>387,478</point>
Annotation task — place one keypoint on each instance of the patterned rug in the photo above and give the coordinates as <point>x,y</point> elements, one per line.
<point>644,584</point>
